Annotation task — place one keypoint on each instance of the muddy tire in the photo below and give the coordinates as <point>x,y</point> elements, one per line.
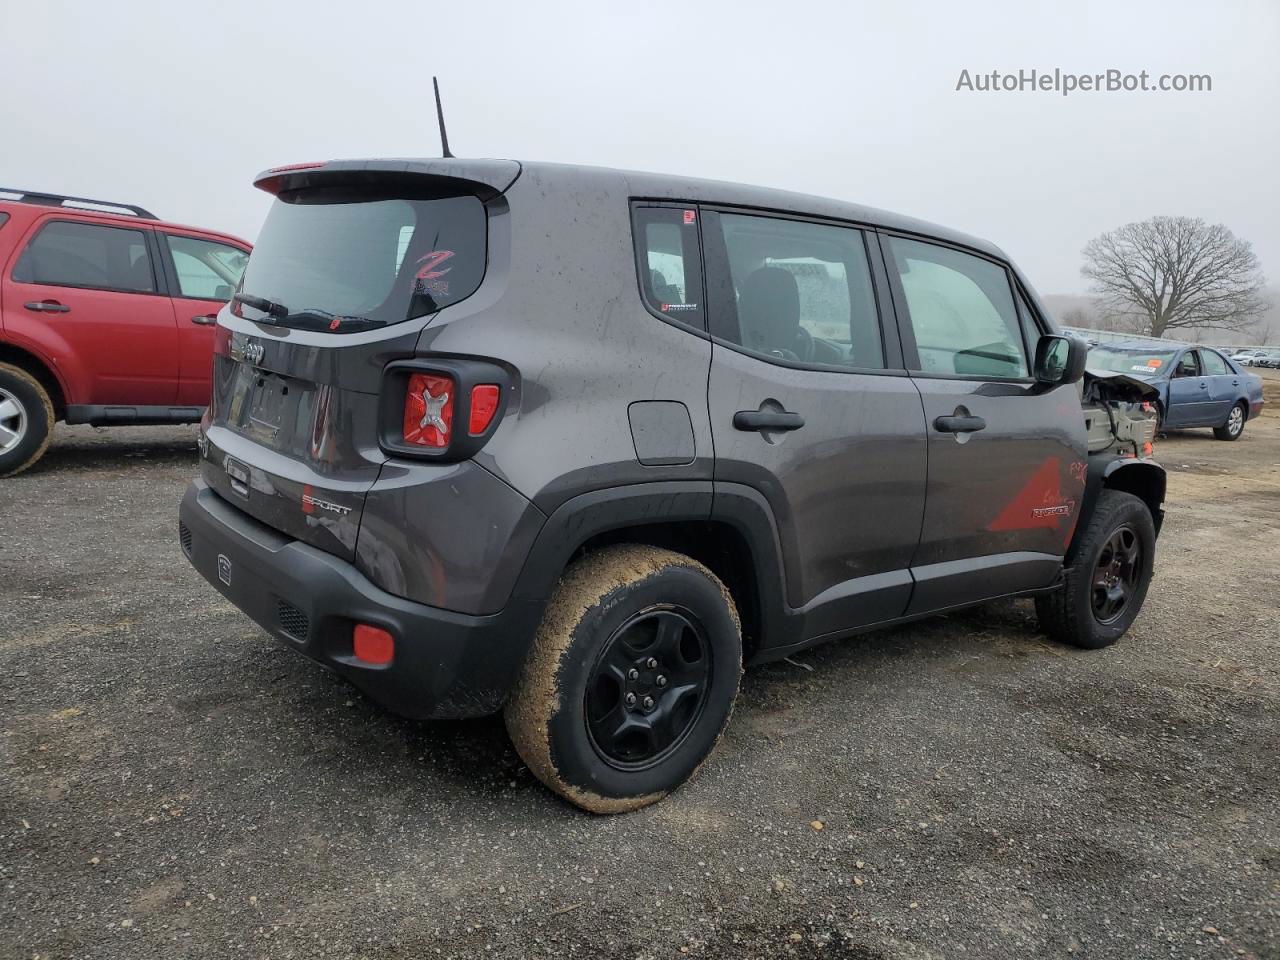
<point>1108,578</point>
<point>631,678</point>
<point>1234,425</point>
<point>26,420</point>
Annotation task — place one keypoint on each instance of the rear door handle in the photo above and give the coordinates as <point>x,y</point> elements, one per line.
<point>205,320</point>
<point>47,306</point>
<point>766,420</point>
<point>959,424</point>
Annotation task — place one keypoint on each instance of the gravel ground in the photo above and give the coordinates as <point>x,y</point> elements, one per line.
<point>175,785</point>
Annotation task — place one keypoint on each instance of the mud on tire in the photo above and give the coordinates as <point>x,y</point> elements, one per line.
<point>26,420</point>
<point>631,678</point>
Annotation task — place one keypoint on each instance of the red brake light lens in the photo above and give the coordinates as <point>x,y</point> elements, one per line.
<point>484,404</point>
<point>428,410</point>
<point>373,644</point>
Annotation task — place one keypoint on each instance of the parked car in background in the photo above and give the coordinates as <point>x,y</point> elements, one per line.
<point>1270,358</point>
<point>106,317</point>
<point>1246,357</point>
<point>1199,387</point>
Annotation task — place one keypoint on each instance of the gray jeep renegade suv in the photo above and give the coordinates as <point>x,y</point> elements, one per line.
<point>577,444</point>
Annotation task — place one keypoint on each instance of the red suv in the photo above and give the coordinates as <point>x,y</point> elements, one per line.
<point>106,317</point>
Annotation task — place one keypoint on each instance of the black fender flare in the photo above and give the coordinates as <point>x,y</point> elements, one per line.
<point>587,515</point>
<point>1140,476</point>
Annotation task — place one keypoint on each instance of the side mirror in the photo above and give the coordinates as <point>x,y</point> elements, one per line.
<point>1060,360</point>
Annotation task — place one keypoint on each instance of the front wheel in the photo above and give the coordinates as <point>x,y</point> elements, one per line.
<point>1108,578</point>
<point>631,678</point>
<point>1234,426</point>
<point>26,420</point>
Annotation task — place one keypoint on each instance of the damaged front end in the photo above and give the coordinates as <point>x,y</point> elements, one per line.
<point>1120,414</point>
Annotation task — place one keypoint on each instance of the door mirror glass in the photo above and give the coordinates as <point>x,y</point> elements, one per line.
<point>1060,360</point>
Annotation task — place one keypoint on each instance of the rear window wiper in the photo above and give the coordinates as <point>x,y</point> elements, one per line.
<point>263,304</point>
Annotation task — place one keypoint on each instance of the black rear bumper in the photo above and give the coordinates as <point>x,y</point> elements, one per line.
<point>446,664</point>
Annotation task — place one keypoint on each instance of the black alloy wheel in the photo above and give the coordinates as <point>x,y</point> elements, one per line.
<point>648,688</point>
<point>1116,574</point>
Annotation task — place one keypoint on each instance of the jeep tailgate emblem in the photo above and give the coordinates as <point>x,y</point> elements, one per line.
<point>242,348</point>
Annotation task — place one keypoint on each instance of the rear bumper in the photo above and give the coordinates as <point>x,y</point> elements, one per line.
<point>1255,408</point>
<point>446,664</point>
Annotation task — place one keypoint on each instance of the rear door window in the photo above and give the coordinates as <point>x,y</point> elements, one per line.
<point>962,312</point>
<point>345,261</point>
<point>1214,365</point>
<point>70,254</point>
<point>669,262</point>
<point>206,270</point>
<point>795,291</point>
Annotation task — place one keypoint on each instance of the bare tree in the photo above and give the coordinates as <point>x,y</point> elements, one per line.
<point>1078,317</point>
<point>1168,273</point>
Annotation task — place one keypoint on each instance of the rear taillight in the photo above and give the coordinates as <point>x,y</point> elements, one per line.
<point>441,408</point>
<point>428,410</point>
<point>484,404</point>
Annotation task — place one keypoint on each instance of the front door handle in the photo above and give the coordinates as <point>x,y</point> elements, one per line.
<point>1203,385</point>
<point>205,320</point>
<point>767,420</point>
<point>47,306</point>
<point>959,424</point>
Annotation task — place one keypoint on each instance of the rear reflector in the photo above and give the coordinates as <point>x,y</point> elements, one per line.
<point>484,404</point>
<point>373,644</point>
<point>428,410</point>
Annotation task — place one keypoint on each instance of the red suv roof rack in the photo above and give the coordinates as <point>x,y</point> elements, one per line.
<point>59,200</point>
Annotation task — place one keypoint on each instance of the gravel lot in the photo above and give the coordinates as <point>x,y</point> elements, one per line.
<point>173,784</point>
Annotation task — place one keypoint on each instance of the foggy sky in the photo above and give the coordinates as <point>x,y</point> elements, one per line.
<point>175,106</point>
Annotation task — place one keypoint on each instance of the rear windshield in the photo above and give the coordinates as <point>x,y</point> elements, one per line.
<point>1150,363</point>
<point>343,261</point>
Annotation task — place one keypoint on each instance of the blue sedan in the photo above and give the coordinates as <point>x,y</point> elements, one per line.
<point>1199,387</point>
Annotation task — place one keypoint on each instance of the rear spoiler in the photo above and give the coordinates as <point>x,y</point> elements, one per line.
<point>484,179</point>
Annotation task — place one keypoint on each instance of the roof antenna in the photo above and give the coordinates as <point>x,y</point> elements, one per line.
<point>444,137</point>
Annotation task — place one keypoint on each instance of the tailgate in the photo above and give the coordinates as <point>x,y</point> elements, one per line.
<point>295,453</point>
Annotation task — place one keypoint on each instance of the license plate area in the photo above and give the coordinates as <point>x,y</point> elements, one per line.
<point>264,406</point>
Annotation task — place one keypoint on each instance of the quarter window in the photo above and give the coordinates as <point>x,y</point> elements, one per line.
<point>206,270</point>
<point>1214,365</point>
<point>669,263</point>
<point>68,254</point>
<point>795,291</point>
<point>962,312</point>
<point>1030,329</point>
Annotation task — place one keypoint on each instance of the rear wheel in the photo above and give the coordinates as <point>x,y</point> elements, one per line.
<point>1107,581</point>
<point>26,420</point>
<point>631,678</point>
<point>1234,425</point>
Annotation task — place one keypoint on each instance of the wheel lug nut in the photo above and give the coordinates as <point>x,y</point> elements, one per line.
<point>660,680</point>
<point>633,674</point>
<point>630,699</point>
<point>648,703</point>
<point>651,663</point>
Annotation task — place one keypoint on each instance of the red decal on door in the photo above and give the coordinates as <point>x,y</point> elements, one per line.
<point>1040,503</point>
